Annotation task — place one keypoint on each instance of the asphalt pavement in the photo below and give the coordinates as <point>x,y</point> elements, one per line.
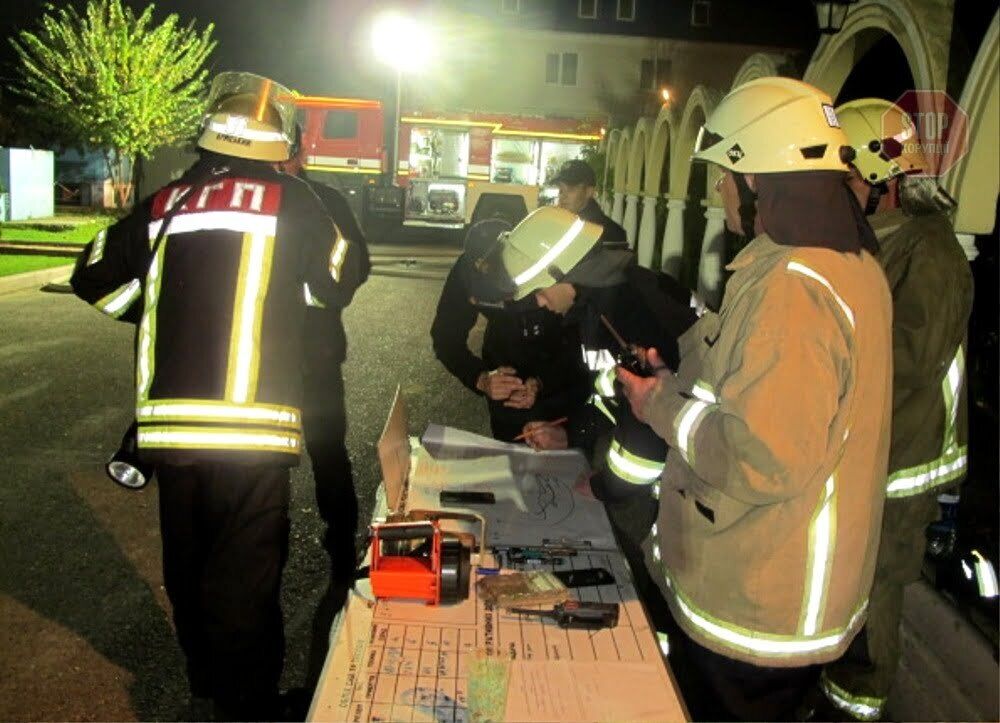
<point>86,632</point>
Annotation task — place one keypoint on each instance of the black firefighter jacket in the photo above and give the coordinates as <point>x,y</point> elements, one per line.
<point>220,308</point>
<point>648,309</point>
<point>325,339</point>
<point>535,342</point>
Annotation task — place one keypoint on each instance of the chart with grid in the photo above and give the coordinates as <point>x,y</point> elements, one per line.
<point>412,664</point>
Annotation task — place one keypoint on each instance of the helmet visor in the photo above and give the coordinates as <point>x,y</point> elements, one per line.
<point>705,140</point>
<point>253,97</point>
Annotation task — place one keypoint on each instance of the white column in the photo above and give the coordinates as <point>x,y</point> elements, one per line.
<point>968,243</point>
<point>673,238</point>
<point>631,221</point>
<point>647,232</point>
<point>713,249</point>
<point>618,207</point>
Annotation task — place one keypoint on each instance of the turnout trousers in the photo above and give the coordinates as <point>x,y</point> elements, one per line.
<point>858,684</point>
<point>225,543</point>
<point>324,421</point>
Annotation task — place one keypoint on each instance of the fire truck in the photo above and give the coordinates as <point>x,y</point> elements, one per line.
<point>453,169</point>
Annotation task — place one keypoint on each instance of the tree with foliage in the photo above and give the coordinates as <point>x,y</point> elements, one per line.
<point>110,80</point>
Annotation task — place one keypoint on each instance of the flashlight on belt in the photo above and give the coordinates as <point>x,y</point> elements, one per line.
<point>125,468</point>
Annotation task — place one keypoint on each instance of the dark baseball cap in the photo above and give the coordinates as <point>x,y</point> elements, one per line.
<point>575,173</point>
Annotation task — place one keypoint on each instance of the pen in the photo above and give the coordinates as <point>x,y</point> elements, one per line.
<point>553,423</point>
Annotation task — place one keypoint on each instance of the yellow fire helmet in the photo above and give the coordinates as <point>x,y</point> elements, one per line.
<point>248,116</point>
<point>884,139</point>
<point>541,250</point>
<point>774,125</point>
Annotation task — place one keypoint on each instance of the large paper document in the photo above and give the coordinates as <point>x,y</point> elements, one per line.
<point>405,661</point>
<point>397,660</point>
<point>536,499</point>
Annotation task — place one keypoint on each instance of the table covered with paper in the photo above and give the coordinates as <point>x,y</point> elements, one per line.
<point>473,661</point>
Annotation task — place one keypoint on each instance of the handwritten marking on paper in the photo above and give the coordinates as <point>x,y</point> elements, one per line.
<point>553,499</point>
<point>429,701</point>
<point>352,673</point>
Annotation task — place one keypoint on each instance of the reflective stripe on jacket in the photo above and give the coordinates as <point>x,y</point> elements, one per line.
<point>220,309</point>
<point>931,286</point>
<point>778,424</point>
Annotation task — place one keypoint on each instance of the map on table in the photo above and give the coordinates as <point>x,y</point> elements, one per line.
<point>535,496</point>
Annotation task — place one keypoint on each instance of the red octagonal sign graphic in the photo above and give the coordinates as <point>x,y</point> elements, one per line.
<point>941,125</point>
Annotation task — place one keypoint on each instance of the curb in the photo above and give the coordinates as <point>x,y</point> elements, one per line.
<point>30,279</point>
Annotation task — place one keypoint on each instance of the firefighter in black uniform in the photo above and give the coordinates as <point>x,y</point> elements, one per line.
<point>554,258</point>
<point>530,366</point>
<point>324,414</point>
<point>216,268</point>
<point>577,194</point>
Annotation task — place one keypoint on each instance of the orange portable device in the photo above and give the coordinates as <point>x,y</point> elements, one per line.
<point>415,560</point>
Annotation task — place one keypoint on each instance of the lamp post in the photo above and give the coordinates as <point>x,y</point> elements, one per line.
<point>831,14</point>
<point>402,43</point>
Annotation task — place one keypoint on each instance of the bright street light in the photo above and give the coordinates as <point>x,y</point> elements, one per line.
<point>403,44</point>
<point>665,94</point>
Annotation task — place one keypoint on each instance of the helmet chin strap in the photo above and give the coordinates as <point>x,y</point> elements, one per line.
<point>748,205</point>
<point>875,194</point>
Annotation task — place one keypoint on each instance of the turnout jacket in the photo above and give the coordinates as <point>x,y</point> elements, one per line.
<point>778,426</point>
<point>931,286</point>
<point>647,309</point>
<point>220,308</point>
<point>325,338</point>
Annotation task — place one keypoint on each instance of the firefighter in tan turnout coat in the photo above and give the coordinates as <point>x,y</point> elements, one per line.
<point>778,415</point>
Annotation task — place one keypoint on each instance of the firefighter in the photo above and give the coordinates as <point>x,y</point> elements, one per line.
<point>778,416</point>
<point>931,287</point>
<point>216,268</point>
<point>577,194</point>
<point>530,366</point>
<point>554,259</point>
<point>324,413</point>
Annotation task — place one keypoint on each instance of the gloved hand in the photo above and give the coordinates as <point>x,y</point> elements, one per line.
<point>500,383</point>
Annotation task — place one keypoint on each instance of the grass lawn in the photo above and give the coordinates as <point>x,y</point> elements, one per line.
<point>13,264</point>
<point>78,233</point>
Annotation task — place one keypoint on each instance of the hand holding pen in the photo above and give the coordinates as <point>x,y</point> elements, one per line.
<point>545,435</point>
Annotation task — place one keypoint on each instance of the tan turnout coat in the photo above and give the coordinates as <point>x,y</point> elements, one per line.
<point>778,422</point>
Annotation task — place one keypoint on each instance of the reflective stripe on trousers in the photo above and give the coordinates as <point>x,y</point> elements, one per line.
<point>857,706</point>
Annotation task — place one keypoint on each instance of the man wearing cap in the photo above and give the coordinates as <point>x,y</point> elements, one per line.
<point>577,190</point>
<point>530,366</point>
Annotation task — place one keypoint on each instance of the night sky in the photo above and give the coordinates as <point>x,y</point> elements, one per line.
<point>318,47</point>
